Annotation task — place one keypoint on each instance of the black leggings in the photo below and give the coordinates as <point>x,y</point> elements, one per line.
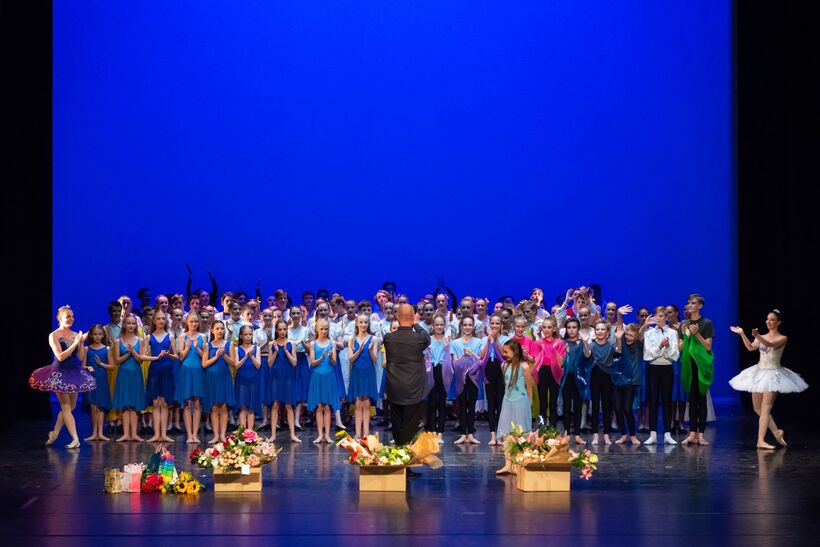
<point>697,403</point>
<point>624,397</point>
<point>467,401</point>
<point>660,378</point>
<point>600,387</point>
<point>572,406</point>
<point>437,403</point>
<point>494,388</point>
<point>547,391</point>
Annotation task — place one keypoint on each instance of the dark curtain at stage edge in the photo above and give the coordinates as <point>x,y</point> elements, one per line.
<point>777,120</point>
<point>26,41</point>
<point>777,233</point>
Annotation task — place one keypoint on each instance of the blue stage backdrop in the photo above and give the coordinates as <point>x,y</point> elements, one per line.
<point>501,145</point>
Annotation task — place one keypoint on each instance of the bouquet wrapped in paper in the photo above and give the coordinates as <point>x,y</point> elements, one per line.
<point>240,451</point>
<point>370,451</point>
<point>546,445</point>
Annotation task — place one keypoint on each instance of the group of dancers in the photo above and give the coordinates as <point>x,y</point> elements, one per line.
<point>517,362</point>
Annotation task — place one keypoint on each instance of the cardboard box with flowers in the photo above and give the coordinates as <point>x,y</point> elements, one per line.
<point>542,459</point>
<point>237,462</point>
<point>383,468</point>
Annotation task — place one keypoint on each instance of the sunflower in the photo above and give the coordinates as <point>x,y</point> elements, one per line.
<point>179,488</point>
<point>193,487</point>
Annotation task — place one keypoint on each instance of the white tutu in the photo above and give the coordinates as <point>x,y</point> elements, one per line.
<point>758,379</point>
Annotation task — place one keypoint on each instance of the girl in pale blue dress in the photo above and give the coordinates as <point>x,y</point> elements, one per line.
<point>516,409</point>
<point>96,362</point>
<point>247,398</point>
<point>129,390</point>
<point>218,381</point>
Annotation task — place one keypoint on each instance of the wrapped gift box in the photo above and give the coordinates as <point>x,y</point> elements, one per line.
<point>383,478</point>
<point>236,481</point>
<point>543,477</point>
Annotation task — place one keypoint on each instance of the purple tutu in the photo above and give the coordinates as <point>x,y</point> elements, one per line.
<point>62,378</point>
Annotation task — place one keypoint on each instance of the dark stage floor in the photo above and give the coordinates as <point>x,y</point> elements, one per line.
<point>727,494</point>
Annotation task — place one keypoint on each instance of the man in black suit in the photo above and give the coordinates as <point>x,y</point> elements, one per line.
<point>406,375</point>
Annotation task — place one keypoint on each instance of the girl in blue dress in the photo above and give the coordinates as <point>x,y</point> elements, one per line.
<point>518,383</point>
<point>363,349</point>
<point>190,386</point>
<point>298,335</point>
<point>323,395</point>
<point>282,359</point>
<point>65,376</point>
<point>129,390</point>
<point>246,383</point>
<point>96,362</point>
<point>159,389</point>
<point>218,381</point>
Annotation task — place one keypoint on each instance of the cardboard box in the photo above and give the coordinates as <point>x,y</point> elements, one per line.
<point>234,481</point>
<point>383,478</point>
<point>544,477</point>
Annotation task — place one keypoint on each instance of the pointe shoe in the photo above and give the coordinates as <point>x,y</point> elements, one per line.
<point>74,444</point>
<point>779,437</point>
<point>461,440</point>
<point>52,436</point>
<point>764,445</point>
<point>667,439</point>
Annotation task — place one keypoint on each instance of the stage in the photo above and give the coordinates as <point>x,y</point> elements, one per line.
<point>727,493</point>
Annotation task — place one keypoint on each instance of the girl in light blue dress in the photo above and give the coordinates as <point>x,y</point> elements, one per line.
<point>516,409</point>
<point>280,384</point>
<point>247,394</point>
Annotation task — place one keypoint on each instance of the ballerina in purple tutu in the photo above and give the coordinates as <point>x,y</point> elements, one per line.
<point>65,376</point>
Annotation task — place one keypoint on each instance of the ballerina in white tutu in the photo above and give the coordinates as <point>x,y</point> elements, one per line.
<point>767,378</point>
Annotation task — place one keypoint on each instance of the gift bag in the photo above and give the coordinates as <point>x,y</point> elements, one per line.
<point>131,478</point>
<point>113,480</point>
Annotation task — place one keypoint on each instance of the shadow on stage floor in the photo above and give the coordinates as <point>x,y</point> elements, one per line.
<point>727,493</point>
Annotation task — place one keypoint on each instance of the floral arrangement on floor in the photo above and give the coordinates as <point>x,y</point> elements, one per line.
<point>184,484</point>
<point>546,445</point>
<point>241,450</point>
<point>370,451</point>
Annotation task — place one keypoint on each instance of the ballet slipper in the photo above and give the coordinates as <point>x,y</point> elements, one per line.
<point>213,441</point>
<point>328,440</point>
<point>74,444</point>
<point>472,440</point>
<point>579,440</point>
<point>295,439</point>
<point>635,440</point>
<point>52,436</point>
<point>504,471</point>
<point>689,439</point>
<point>137,439</point>
<point>595,439</point>
<point>167,439</point>
<point>621,440</point>
<point>764,445</point>
<point>123,439</point>
<point>318,440</point>
<point>91,438</point>
<point>606,440</point>
<point>779,437</point>
<point>461,440</point>
<point>702,440</point>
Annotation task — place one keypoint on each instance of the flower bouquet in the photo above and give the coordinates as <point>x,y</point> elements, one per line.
<point>546,445</point>
<point>237,462</point>
<point>184,484</point>
<point>384,468</point>
<point>543,459</point>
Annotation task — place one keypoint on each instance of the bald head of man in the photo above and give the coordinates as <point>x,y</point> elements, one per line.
<point>406,315</point>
